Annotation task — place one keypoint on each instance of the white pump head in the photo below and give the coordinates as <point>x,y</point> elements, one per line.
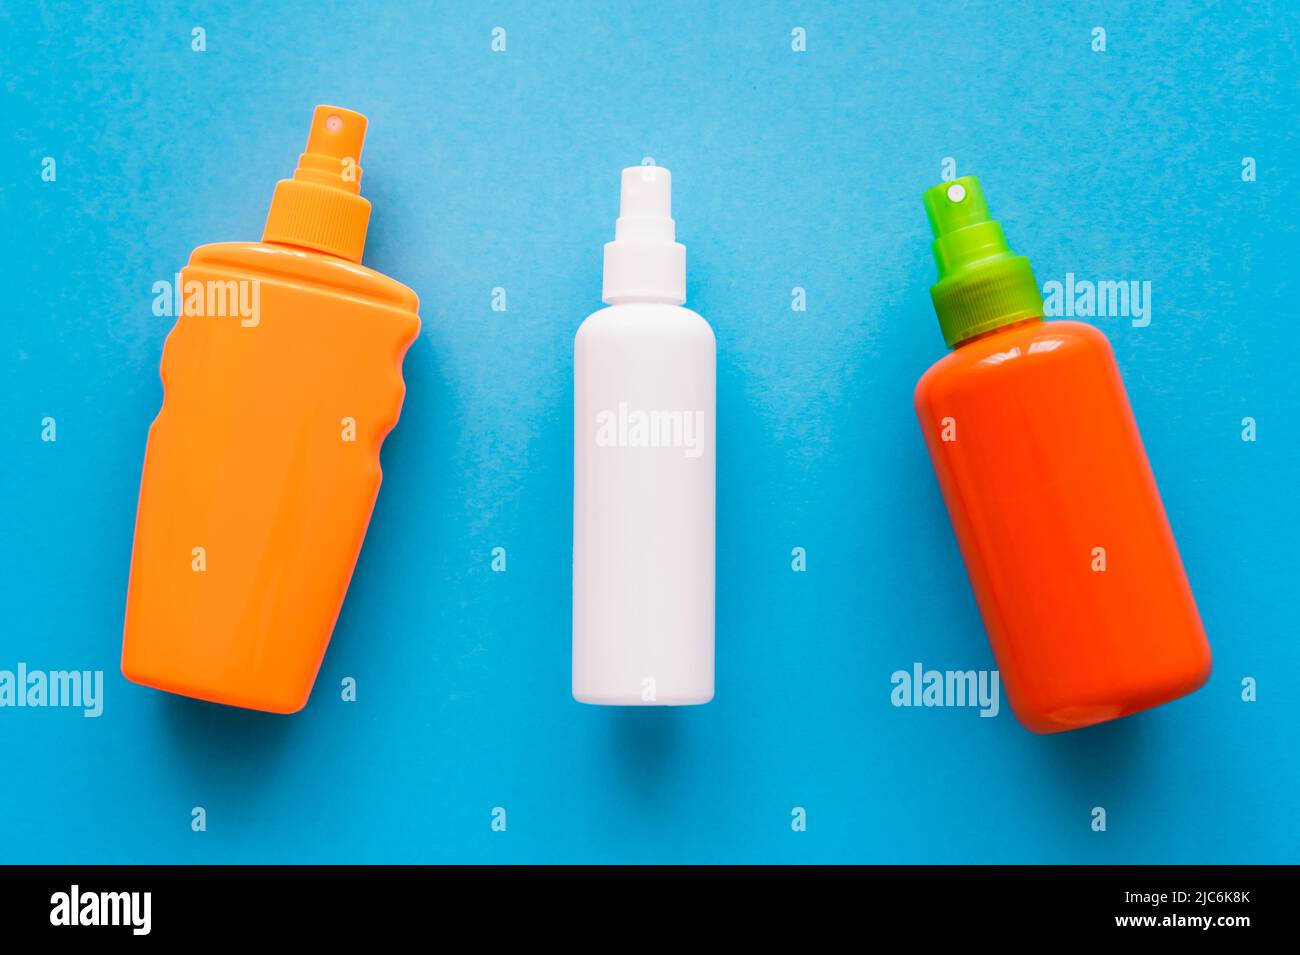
<point>644,263</point>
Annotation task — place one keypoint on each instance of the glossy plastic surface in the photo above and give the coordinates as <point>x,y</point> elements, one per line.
<point>644,511</point>
<point>1044,467</point>
<point>265,455</point>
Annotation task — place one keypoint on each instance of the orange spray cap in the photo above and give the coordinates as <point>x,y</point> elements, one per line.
<point>321,207</point>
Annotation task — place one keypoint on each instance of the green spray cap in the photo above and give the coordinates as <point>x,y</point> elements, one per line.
<point>982,284</point>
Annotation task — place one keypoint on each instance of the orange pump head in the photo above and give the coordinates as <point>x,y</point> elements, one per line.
<point>321,207</point>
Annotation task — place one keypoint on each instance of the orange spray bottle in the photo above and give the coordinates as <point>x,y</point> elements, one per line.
<point>281,378</point>
<point>1053,502</point>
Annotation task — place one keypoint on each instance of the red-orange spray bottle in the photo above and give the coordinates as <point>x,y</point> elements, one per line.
<point>281,379</point>
<point>1054,505</point>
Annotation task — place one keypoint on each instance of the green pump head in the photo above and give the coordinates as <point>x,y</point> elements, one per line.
<point>982,284</point>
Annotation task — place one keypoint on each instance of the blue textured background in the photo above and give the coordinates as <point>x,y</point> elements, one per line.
<point>790,170</point>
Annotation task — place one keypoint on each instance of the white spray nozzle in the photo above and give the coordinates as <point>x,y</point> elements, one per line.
<point>644,262</point>
<point>646,202</point>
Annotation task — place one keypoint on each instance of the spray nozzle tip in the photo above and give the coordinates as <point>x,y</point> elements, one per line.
<point>955,204</point>
<point>337,132</point>
<point>647,193</point>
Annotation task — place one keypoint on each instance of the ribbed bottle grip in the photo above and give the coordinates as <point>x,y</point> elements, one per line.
<point>318,217</point>
<point>977,305</point>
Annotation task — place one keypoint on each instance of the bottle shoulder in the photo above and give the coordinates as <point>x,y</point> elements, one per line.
<point>290,265</point>
<point>1012,351</point>
<point>643,320</point>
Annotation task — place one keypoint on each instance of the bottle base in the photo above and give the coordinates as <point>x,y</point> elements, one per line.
<point>1062,719</point>
<point>283,706</point>
<point>593,698</point>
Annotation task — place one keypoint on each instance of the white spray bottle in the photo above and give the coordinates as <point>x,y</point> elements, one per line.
<point>643,470</point>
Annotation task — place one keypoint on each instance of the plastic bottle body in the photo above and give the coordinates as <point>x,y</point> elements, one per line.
<point>1061,526</point>
<point>261,471</point>
<point>643,508</point>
